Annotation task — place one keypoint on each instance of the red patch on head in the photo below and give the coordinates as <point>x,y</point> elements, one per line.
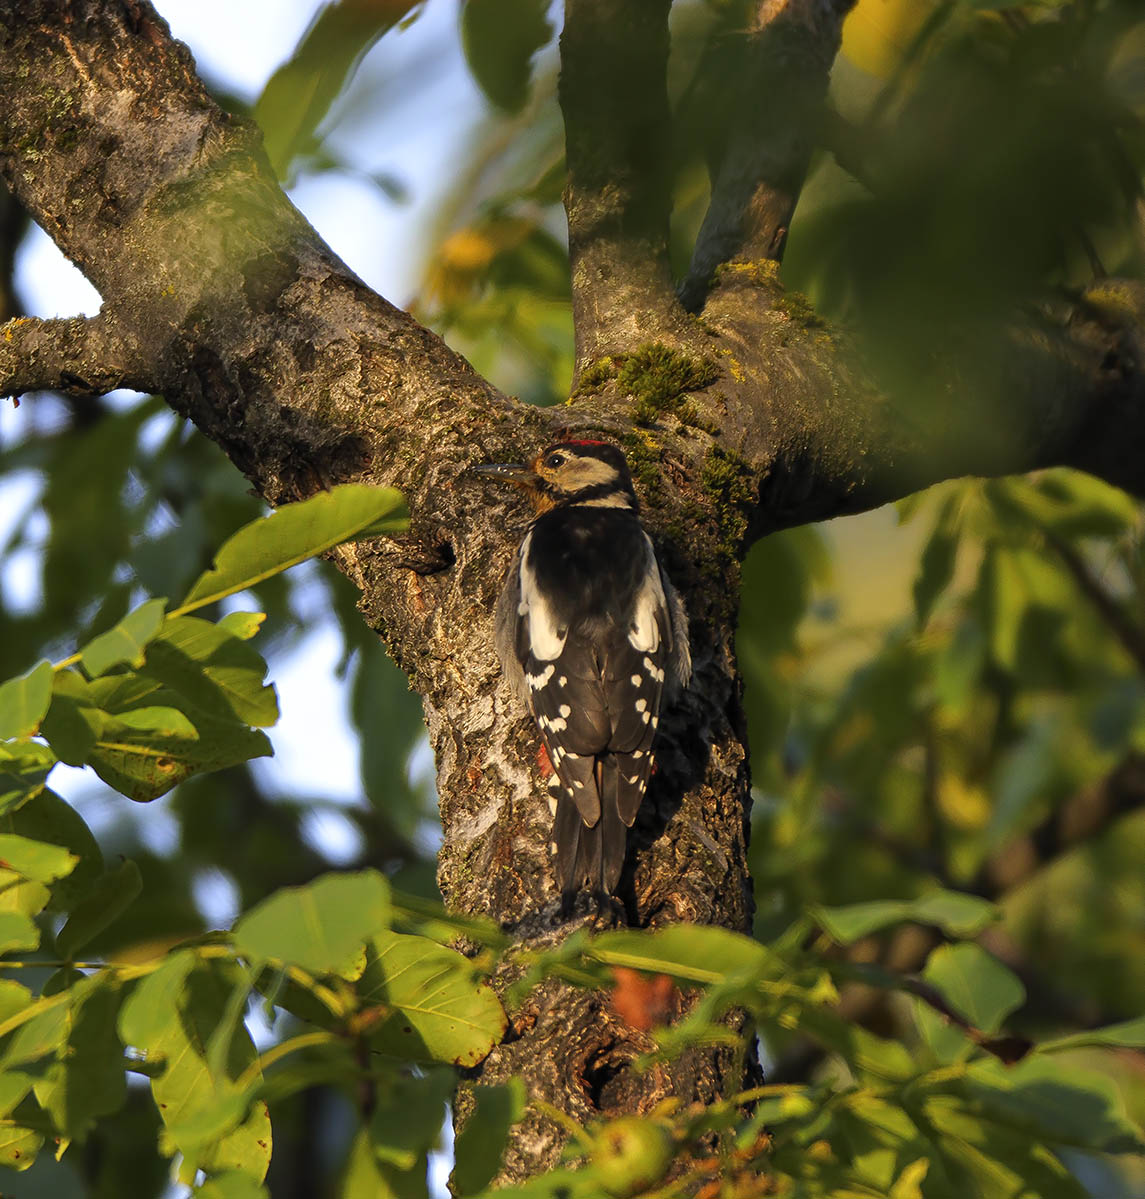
<point>587,443</point>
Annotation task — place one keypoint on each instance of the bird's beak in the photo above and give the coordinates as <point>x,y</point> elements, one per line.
<point>506,472</point>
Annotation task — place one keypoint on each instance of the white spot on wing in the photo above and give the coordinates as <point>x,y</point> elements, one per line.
<point>635,680</point>
<point>565,710</point>
<point>641,704</point>
<point>537,681</point>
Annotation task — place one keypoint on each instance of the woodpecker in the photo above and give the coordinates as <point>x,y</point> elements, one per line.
<point>594,640</point>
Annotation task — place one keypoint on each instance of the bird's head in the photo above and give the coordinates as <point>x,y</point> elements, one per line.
<point>592,473</point>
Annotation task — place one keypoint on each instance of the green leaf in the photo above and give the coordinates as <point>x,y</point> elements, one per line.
<point>145,1019</point>
<point>43,1031</point>
<point>405,1125</point>
<point>36,860</point>
<point>14,997</point>
<point>18,1145</point>
<point>321,926</point>
<point>14,1085</point>
<point>173,1015</point>
<point>443,1011</point>
<point>294,533</point>
<point>975,984</point>
<point>73,723</point>
<point>110,896</point>
<point>954,912</point>
<point>24,768</point>
<point>48,818</point>
<point>215,671</point>
<point>231,1185</point>
<point>17,931</point>
<point>299,94</point>
<point>24,701</point>
<point>243,625</point>
<point>1082,1109</point>
<point>697,953</point>
<point>145,752</point>
<point>500,38</point>
<point>936,569</point>
<point>127,641</point>
<point>87,1081</point>
<point>480,1144</point>
<point>1129,1034</point>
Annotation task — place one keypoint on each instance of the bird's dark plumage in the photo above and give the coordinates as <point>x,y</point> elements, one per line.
<point>594,637</point>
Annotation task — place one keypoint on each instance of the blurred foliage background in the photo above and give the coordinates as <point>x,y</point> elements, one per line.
<point>946,692</point>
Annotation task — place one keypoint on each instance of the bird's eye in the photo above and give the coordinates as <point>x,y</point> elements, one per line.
<point>555,460</point>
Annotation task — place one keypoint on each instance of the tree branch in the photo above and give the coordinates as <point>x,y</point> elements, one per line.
<point>80,355</point>
<point>782,64</point>
<point>614,98</point>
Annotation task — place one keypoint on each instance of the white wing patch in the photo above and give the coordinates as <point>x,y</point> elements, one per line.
<point>650,608</point>
<point>546,639</point>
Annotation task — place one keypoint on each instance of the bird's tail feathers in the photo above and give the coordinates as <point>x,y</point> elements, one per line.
<point>592,854</point>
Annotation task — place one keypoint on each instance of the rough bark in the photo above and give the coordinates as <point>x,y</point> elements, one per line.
<point>219,294</point>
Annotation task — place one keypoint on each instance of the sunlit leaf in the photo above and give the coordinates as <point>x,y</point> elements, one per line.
<point>18,1145</point>
<point>444,1012</point>
<point>295,532</point>
<point>231,1185</point>
<point>24,768</point>
<point>243,625</point>
<point>321,926</point>
<point>127,641</point>
<point>36,860</point>
<point>47,818</point>
<point>699,953</point>
<point>24,700</point>
<point>87,1079</point>
<point>212,669</point>
<point>173,1015</point>
<point>17,931</point>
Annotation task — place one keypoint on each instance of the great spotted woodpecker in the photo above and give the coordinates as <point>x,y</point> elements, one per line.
<point>594,639</point>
